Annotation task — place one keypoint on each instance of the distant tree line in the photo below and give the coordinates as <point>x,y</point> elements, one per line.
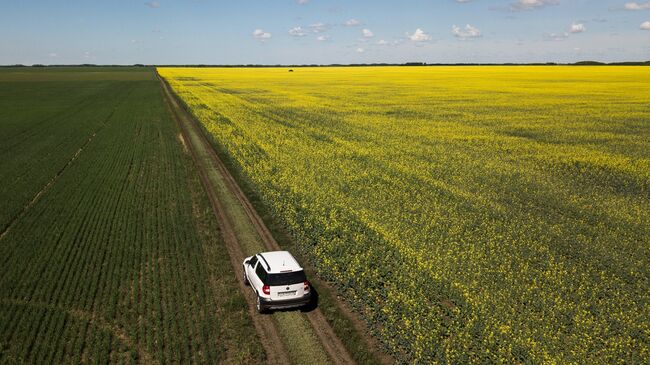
<point>77,65</point>
<point>407,64</point>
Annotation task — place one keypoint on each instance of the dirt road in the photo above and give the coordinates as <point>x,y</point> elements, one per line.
<point>289,336</point>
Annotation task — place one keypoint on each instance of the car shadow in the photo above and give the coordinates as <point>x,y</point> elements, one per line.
<point>313,301</point>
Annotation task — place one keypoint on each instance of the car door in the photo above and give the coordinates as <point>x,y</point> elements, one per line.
<point>256,281</point>
<point>250,269</point>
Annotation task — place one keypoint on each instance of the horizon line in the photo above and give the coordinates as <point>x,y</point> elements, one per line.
<point>405,64</point>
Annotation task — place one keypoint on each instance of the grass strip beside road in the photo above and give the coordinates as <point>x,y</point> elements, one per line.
<point>333,312</point>
<point>300,341</point>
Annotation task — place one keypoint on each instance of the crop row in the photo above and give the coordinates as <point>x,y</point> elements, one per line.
<point>117,261</point>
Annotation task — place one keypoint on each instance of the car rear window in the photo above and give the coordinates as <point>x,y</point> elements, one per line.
<point>286,278</point>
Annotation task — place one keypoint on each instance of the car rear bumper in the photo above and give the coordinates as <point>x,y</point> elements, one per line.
<point>287,303</point>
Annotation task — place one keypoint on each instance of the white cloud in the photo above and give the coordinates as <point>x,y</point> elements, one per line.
<point>637,6</point>
<point>468,33</point>
<point>463,1</point>
<point>645,25</point>
<point>152,4</point>
<point>556,36</point>
<point>419,36</point>
<point>382,42</point>
<point>367,33</point>
<point>352,23</point>
<point>297,32</point>
<point>360,50</point>
<point>324,38</point>
<point>531,4</point>
<point>302,2</point>
<point>261,35</point>
<point>53,55</point>
<point>577,28</point>
<point>319,27</point>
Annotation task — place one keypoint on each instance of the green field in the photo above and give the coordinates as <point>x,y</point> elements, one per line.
<point>109,251</point>
<point>471,214</point>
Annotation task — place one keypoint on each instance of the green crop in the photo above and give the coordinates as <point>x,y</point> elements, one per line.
<point>110,252</point>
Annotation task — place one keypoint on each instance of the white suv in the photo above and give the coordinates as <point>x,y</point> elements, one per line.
<point>277,279</point>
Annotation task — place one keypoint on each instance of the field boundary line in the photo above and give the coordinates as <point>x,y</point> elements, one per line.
<point>336,350</point>
<point>264,325</point>
<point>331,343</point>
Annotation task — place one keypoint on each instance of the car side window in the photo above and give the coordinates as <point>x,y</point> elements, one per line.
<point>261,273</point>
<point>253,261</point>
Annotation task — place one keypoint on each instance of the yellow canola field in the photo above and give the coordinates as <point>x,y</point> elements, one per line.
<point>471,214</point>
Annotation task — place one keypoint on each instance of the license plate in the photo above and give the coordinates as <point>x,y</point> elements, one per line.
<point>286,293</point>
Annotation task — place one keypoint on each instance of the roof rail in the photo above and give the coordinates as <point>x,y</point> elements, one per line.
<point>268,267</point>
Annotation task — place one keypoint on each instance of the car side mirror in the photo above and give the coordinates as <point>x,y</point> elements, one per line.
<point>247,262</point>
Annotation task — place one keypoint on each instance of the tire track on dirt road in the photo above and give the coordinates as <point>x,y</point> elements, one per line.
<point>332,345</point>
<point>335,348</point>
<point>269,335</point>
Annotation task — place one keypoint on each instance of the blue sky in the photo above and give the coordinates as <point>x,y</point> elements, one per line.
<point>322,31</point>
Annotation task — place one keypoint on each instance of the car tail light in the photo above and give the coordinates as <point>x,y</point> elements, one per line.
<point>266,289</point>
<point>306,287</point>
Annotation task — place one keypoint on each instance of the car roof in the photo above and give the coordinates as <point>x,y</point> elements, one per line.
<point>279,261</point>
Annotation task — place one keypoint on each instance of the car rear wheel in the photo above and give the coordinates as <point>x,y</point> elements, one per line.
<point>259,306</point>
